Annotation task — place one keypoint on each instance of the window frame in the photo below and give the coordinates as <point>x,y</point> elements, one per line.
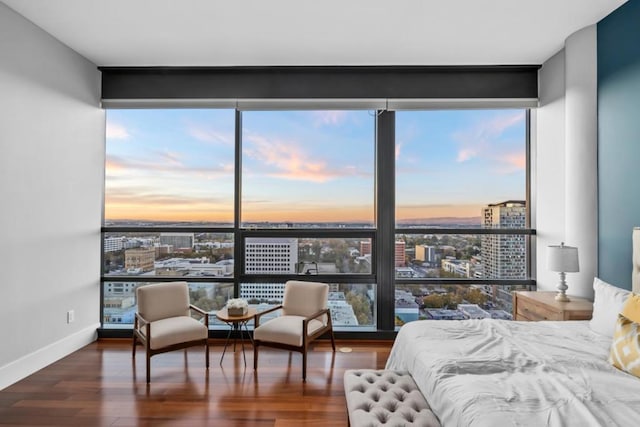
<point>382,237</point>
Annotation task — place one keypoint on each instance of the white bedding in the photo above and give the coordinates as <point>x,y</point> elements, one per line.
<point>501,373</point>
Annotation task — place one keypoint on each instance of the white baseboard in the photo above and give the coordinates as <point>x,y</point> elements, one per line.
<point>33,362</point>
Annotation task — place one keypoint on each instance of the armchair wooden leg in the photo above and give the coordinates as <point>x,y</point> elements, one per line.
<point>255,356</point>
<point>206,349</point>
<point>133,351</point>
<point>304,366</point>
<point>333,342</point>
<point>148,368</point>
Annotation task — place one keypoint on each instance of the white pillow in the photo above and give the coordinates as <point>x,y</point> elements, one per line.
<point>607,303</point>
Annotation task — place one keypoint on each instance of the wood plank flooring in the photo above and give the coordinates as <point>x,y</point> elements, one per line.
<point>100,385</point>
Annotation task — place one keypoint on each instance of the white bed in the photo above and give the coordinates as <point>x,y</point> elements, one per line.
<point>501,373</point>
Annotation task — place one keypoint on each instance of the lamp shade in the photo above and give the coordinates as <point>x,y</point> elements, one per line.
<point>563,258</point>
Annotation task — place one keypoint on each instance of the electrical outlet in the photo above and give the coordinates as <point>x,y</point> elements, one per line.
<point>71,316</point>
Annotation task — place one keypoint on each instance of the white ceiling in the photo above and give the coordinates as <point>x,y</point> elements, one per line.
<point>320,32</point>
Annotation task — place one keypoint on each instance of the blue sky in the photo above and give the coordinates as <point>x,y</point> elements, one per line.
<point>308,165</point>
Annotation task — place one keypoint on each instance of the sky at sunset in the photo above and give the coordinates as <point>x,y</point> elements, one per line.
<point>308,166</point>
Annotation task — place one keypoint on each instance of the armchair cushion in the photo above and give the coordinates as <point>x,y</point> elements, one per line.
<point>285,330</point>
<point>175,330</point>
<point>304,298</point>
<point>162,300</point>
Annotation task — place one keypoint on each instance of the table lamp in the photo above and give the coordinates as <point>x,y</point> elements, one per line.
<point>563,259</point>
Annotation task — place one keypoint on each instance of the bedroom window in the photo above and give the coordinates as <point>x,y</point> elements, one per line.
<point>405,214</point>
<point>462,214</point>
<point>307,207</point>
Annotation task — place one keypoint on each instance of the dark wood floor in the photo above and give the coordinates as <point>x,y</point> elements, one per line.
<point>100,385</point>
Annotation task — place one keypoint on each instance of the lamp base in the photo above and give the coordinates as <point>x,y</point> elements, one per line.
<point>562,288</point>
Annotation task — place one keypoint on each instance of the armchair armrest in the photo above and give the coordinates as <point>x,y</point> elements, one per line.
<point>200,311</point>
<point>305,321</point>
<point>258,315</point>
<point>318,314</point>
<point>140,321</point>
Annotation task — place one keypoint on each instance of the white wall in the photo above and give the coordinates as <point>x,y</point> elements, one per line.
<point>51,180</point>
<point>565,161</point>
<point>581,185</point>
<point>548,182</point>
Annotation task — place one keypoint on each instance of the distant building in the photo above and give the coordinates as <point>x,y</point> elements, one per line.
<point>426,253</point>
<point>504,255</point>
<point>459,267</point>
<point>444,314</point>
<point>139,260</point>
<point>399,251</point>
<point>262,291</point>
<point>118,289</point>
<point>121,302</point>
<point>473,311</point>
<point>365,247</point>
<point>162,250</point>
<point>406,307</point>
<point>399,254</point>
<point>342,313</point>
<point>400,258</point>
<point>178,240</point>
<point>405,272</point>
<point>113,244</point>
<point>275,255</point>
<point>500,314</point>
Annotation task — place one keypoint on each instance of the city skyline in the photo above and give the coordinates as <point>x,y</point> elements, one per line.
<point>308,166</point>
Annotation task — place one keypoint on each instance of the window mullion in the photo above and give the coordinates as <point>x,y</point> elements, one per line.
<point>385,219</point>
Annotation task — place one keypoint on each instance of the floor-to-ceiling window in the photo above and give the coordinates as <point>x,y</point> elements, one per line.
<point>308,208</point>
<point>462,213</point>
<point>237,202</point>
<point>168,206</point>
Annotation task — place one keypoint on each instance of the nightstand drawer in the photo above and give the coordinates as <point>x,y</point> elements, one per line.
<point>536,312</point>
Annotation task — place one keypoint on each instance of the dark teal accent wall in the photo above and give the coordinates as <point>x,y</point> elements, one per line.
<point>618,141</point>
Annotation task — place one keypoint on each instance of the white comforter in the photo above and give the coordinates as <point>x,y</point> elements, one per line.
<point>500,373</point>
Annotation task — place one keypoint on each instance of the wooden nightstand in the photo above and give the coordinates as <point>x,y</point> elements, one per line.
<point>543,306</point>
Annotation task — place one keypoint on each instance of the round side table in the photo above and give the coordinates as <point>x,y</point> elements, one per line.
<point>236,323</point>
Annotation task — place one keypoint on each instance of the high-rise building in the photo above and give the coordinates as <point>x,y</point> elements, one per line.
<point>365,247</point>
<point>504,255</point>
<point>275,255</point>
<point>400,260</point>
<point>177,240</point>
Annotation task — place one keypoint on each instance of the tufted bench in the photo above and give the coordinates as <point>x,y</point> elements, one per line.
<point>385,397</point>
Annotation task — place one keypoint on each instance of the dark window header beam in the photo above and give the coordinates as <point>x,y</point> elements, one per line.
<point>422,82</point>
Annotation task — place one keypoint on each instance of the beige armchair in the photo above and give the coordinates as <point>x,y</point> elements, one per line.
<point>304,318</point>
<point>163,321</point>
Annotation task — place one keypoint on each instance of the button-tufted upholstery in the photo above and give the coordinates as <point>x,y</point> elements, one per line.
<point>385,397</point>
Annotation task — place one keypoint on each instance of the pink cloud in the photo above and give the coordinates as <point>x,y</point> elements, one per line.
<point>289,161</point>
<point>478,140</point>
<point>465,154</point>
<point>167,163</point>
<point>116,131</point>
<point>511,162</point>
<point>206,134</point>
<point>330,117</point>
<point>398,150</point>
